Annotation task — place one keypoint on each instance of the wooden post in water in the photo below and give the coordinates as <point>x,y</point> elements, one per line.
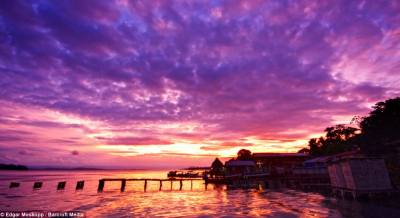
<point>171,184</point>
<point>37,184</point>
<point>180,188</point>
<point>79,185</point>
<point>160,184</point>
<point>123,183</point>
<point>145,184</point>
<point>101,185</point>
<point>61,185</point>
<point>191,184</point>
<point>14,185</point>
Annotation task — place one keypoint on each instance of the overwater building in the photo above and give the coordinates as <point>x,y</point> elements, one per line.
<point>239,167</point>
<point>282,160</point>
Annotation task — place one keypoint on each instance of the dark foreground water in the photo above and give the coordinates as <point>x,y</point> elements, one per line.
<point>216,201</point>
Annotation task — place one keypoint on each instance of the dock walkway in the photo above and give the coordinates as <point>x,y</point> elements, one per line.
<point>123,182</point>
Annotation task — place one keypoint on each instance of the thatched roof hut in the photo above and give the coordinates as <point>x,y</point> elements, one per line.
<point>217,164</point>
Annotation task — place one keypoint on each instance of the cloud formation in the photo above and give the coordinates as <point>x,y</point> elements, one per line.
<point>205,73</point>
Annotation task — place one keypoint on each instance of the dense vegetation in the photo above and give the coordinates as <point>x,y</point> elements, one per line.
<point>338,139</point>
<point>378,135</point>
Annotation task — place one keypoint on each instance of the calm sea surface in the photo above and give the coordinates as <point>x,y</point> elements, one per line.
<point>216,201</point>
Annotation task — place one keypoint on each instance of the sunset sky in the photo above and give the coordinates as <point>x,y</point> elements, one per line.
<point>163,84</point>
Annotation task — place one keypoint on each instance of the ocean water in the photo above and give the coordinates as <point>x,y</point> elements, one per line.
<point>195,201</point>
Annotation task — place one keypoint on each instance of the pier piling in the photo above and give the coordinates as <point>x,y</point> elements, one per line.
<point>61,185</point>
<point>79,185</point>
<point>37,184</point>
<point>14,185</point>
<point>123,183</point>
<point>101,185</point>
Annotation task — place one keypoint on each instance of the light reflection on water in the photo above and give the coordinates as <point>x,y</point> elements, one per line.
<point>215,201</point>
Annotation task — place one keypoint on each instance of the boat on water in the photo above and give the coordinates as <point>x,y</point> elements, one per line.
<point>256,174</point>
<point>189,174</point>
<point>177,174</point>
<point>195,174</point>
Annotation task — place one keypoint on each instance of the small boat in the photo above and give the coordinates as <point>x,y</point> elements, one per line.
<point>177,174</point>
<point>195,174</point>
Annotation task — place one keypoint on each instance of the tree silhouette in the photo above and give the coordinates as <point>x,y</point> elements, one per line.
<point>244,154</point>
<point>304,150</point>
<point>340,132</point>
<point>338,139</point>
<point>380,131</point>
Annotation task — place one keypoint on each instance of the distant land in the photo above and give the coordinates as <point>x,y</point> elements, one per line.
<point>12,167</point>
<point>74,168</point>
<point>23,167</point>
<point>101,167</point>
<point>77,168</point>
<point>197,168</point>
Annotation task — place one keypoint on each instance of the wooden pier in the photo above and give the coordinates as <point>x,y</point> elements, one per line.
<point>123,183</point>
<point>306,184</point>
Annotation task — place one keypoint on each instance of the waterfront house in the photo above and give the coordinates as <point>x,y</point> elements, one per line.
<point>310,172</point>
<point>239,167</point>
<point>359,174</point>
<point>281,160</point>
<point>324,161</point>
<point>217,164</point>
<point>216,168</point>
<point>318,162</point>
<point>318,167</point>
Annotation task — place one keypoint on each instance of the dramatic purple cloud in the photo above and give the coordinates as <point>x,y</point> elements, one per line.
<point>187,77</point>
<point>133,141</point>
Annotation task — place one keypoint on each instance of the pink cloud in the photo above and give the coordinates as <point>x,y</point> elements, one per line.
<point>194,73</point>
